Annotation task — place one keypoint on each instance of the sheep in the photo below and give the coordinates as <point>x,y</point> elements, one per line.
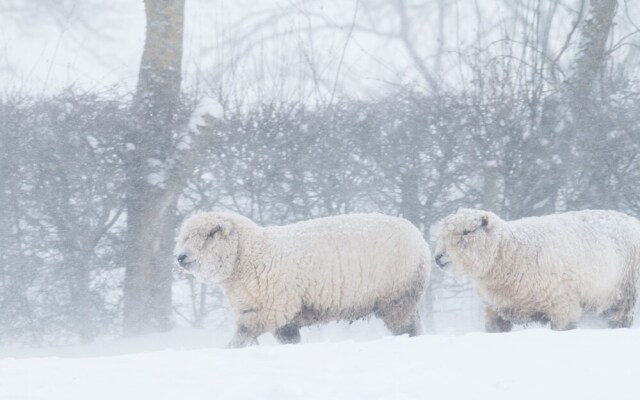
<point>546,269</point>
<point>281,278</point>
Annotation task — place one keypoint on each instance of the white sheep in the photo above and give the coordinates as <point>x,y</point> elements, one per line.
<point>279,279</point>
<point>546,269</point>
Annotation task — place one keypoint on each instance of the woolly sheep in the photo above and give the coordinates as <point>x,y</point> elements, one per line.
<point>279,279</point>
<point>546,269</point>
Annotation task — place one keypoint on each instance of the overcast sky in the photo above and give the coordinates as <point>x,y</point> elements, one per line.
<point>285,49</point>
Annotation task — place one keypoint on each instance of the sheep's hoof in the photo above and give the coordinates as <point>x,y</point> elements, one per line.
<point>288,334</point>
<point>242,341</point>
<point>566,326</point>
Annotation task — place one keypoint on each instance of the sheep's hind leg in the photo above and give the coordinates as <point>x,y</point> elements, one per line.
<point>288,334</point>
<point>401,317</point>
<point>563,325</point>
<point>495,323</point>
<point>621,315</point>
<point>414,328</point>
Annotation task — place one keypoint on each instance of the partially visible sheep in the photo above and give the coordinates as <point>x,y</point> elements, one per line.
<point>279,279</point>
<point>551,268</point>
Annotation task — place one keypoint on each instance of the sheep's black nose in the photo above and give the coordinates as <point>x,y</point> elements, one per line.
<point>438,257</point>
<point>181,259</point>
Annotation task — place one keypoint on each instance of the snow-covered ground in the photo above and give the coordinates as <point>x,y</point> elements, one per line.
<point>188,364</point>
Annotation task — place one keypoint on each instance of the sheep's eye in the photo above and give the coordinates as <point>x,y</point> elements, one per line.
<point>466,232</point>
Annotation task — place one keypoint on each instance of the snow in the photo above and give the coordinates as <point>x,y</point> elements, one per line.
<point>157,179</point>
<point>93,142</point>
<point>527,364</point>
<point>207,106</point>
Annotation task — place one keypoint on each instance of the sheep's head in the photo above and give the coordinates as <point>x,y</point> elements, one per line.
<point>467,242</point>
<point>207,247</point>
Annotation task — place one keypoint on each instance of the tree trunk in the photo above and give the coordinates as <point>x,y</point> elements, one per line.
<point>590,129</point>
<point>412,209</point>
<point>78,279</point>
<point>151,197</point>
<point>490,186</point>
<point>591,54</point>
<point>410,206</point>
<point>442,15</point>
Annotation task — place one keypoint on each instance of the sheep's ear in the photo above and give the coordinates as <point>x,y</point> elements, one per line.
<point>225,229</point>
<point>484,221</point>
<point>216,229</point>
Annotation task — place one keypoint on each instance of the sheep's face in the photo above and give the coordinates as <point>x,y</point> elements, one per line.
<point>207,247</point>
<point>466,242</point>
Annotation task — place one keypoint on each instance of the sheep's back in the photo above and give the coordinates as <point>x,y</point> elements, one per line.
<point>345,266</point>
<point>589,253</point>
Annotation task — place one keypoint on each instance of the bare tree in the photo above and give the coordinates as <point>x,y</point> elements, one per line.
<point>151,197</point>
<point>591,54</point>
<point>591,125</point>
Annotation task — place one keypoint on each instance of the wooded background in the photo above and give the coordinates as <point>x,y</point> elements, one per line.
<point>536,111</point>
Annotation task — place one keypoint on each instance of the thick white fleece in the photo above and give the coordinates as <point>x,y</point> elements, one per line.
<point>334,268</point>
<point>552,268</point>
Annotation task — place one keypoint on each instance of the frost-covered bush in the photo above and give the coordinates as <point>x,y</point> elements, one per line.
<point>62,216</point>
<point>499,144</point>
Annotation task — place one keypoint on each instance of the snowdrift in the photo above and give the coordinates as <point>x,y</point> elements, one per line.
<point>530,364</point>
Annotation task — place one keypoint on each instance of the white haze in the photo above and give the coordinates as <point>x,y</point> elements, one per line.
<point>318,108</point>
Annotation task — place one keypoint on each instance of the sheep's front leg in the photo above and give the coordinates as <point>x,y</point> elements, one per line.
<point>495,323</point>
<point>242,338</point>
<point>247,331</point>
